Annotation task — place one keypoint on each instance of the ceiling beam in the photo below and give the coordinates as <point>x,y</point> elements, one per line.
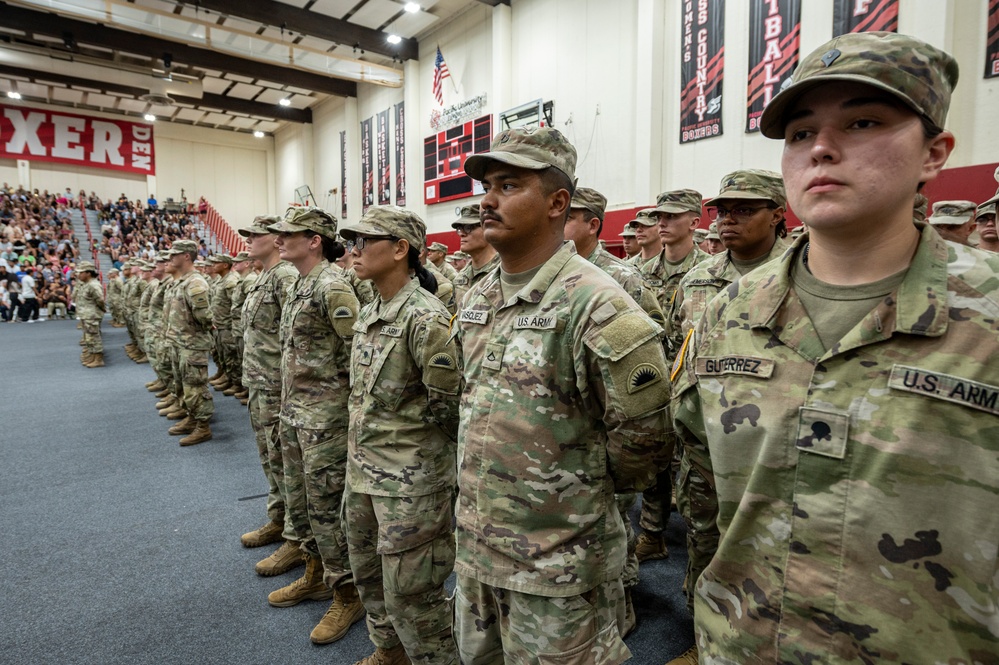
<point>312,23</point>
<point>95,34</point>
<point>493,3</point>
<point>209,100</point>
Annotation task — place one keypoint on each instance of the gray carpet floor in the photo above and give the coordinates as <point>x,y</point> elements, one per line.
<point>121,547</point>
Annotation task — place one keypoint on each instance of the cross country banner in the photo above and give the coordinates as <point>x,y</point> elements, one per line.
<point>367,167</point>
<point>992,41</point>
<point>400,154</point>
<point>382,152</point>
<point>343,174</point>
<point>37,135</point>
<point>774,37</point>
<point>702,68</point>
<point>864,16</point>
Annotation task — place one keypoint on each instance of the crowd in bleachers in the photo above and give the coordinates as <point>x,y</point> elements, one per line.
<point>133,229</point>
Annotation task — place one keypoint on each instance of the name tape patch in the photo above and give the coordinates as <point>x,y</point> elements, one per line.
<point>954,389</point>
<point>477,316</point>
<point>744,365</point>
<point>536,322</point>
<point>392,331</point>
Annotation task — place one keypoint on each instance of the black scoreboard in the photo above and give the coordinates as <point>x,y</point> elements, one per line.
<point>444,156</point>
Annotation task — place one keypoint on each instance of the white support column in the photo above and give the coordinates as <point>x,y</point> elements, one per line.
<point>353,161</point>
<point>24,173</point>
<point>502,83</point>
<point>649,53</point>
<point>414,141</point>
<point>308,160</point>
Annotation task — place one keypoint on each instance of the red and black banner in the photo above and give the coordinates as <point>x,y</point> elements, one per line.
<point>343,174</point>
<point>367,167</point>
<point>992,41</point>
<point>702,69</point>
<point>865,16</point>
<point>400,154</point>
<point>774,42</point>
<point>384,167</point>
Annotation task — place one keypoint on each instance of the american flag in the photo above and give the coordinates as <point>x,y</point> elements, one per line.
<point>440,73</point>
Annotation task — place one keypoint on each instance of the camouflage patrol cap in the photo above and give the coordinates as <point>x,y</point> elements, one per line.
<point>382,221</point>
<point>919,205</point>
<point>182,247</point>
<point>113,271</point>
<point>644,217</point>
<point>712,232</point>
<point>952,213</point>
<point>700,235</point>
<point>460,256</point>
<point>994,199</point>
<point>468,215</point>
<point>306,218</point>
<point>589,199</point>
<point>201,264</point>
<point>86,266</point>
<point>221,258</point>
<point>679,200</point>
<point>258,227</point>
<point>628,232</point>
<point>533,148</point>
<point>242,256</point>
<point>437,247</point>
<point>985,209</point>
<point>918,74</point>
<point>751,185</point>
<point>147,266</point>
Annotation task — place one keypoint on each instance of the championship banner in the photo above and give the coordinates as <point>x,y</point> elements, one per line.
<point>774,36</point>
<point>992,41</point>
<point>384,168</point>
<point>400,153</point>
<point>865,16</point>
<point>367,167</point>
<point>702,69</point>
<point>67,138</point>
<point>343,174</point>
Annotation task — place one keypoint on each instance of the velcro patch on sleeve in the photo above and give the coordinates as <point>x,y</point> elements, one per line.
<point>762,368</point>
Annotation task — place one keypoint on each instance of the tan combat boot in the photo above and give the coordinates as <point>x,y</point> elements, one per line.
<point>345,611</point>
<point>265,535</point>
<point>155,386</point>
<point>285,558</point>
<point>650,546</point>
<point>96,360</point>
<point>177,412</point>
<point>309,586</point>
<point>142,359</point>
<point>221,383</point>
<point>166,403</point>
<point>82,343</point>
<point>216,376</point>
<point>86,357</point>
<point>242,391</point>
<point>185,426</point>
<point>201,433</point>
<point>231,390</point>
<point>688,657</point>
<point>394,656</point>
<point>163,393</point>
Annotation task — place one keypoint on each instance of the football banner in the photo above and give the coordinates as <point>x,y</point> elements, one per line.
<point>343,174</point>
<point>992,41</point>
<point>400,154</point>
<point>702,68</point>
<point>864,16</point>
<point>382,152</point>
<point>774,36</point>
<point>367,166</point>
<point>67,138</point>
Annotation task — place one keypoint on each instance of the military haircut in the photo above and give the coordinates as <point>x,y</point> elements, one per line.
<point>552,180</point>
<point>588,215</point>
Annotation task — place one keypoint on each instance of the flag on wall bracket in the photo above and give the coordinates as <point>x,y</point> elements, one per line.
<point>441,72</point>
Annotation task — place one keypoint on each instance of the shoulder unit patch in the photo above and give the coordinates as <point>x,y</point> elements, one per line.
<point>442,360</point>
<point>643,376</point>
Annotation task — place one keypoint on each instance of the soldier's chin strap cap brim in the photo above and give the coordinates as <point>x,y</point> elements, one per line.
<point>476,165</point>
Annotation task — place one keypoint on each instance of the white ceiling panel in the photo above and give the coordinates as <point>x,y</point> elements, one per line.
<point>375,12</point>
<point>156,4</point>
<point>104,101</point>
<point>409,25</point>
<point>240,78</point>
<point>271,96</point>
<point>301,101</point>
<point>162,111</point>
<point>334,8</point>
<point>217,119</point>
<point>244,91</point>
<point>301,91</point>
<point>191,115</point>
<point>215,86</point>
<point>268,125</point>
<point>242,123</point>
<point>133,105</point>
<point>237,23</point>
<point>33,89</point>
<point>67,95</point>
<point>294,3</point>
<point>315,43</point>
<point>6,85</point>
<point>269,84</point>
<point>86,89</point>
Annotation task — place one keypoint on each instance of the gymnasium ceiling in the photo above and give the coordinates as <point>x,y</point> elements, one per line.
<point>224,64</point>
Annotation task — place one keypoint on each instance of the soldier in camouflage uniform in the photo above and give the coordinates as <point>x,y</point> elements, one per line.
<point>188,325</point>
<point>985,221</point>
<point>242,265</point>
<point>262,375</point>
<point>401,447</point>
<point>629,244</point>
<point>437,254</point>
<point>316,334</point>
<point>114,288</point>
<point>147,317</point>
<point>954,220</point>
<point>221,304</point>
<point>842,401</point>
<point>484,258</point>
<point>90,309</point>
<point>160,358</point>
<point>647,238</point>
<point>564,405</point>
<point>445,289</point>
<point>712,241</point>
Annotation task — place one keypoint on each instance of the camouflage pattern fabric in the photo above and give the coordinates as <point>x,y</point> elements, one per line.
<point>401,553</point>
<point>90,309</point>
<point>161,362</point>
<point>114,288</point>
<point>631,280</point>
<point>238,298</point>
<point>265,419</point>
<point>188,320</point>
<point>564,404</point>
<point>190,375</point>
<point>224,350</point>
<point>502,626</point>
<point>363,288</point>
<point>665,281</point>
<point>145,320</point>
<point>469,276</point>
<point>445,289</point>
<point>852,484</point>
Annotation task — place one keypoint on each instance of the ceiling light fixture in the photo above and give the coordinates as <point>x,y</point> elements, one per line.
<point>259,134</point>
<point>394,39</point>
<point>150,117</point>
<point>13,94</point>
<point>285,102</point>
<point>412,7</point>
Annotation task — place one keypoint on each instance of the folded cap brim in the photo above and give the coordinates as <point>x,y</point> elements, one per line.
<point>737,196</point>
<point>476,165</point>
<point>364,229</point>
<point>286,227</point>
<point>250,231</point>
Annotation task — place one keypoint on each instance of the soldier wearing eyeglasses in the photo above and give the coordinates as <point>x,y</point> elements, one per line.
<point>985,221</point>
<point>484,256</point>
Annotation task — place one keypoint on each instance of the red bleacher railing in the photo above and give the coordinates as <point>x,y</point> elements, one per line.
<point>224,234</point>
<point>90,241</point>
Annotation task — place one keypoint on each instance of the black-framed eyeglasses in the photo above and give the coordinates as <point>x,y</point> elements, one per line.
<point>361,241</point>
<point>465,229</point>
<point>985,219</point>
<point>738,213</point>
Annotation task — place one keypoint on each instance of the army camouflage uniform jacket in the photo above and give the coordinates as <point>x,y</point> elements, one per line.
<point>316,336</point>
<point>564,404</point>
<point>857,488</point>
<point>630,279</point>
<point>223,292</point>
<point>405,381</point>
<point>89,299</point>
<point>262,324</point>
<point>665,281</point>
<point>469,276</point>
<point>186,313</point>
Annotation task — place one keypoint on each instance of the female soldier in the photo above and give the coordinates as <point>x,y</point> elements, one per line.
<point>315,336</point>
<point>401,446</point>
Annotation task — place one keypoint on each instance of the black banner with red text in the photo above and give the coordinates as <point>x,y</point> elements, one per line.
<point>702,69</point>
<point>774,42</point>
<point>343,174</point>
<point>384,167</point>
<point>367,166</point>
<point>865,16</point>
<point>400,154</point>
<point>992,41</point>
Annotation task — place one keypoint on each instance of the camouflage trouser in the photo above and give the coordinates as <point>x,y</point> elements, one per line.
<point>700,519</point>
<point>265,408</point>
<point>495,626</point>
<point>656,499</point>
<point>92,341</point>
<point>401,552</point>
<point>315,469</point>
<point>130,327</point>
<point>116,316</point>
<point>237,359</point>
<point>150,346</point>
<point>163,361</point>
<point>190,372</point>
<point>225,352</point>
<point>625,502</point>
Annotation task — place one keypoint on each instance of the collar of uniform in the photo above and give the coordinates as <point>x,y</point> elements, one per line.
<point>485,267</point>
<point>389,311</point>
<point>305,282</point>
<point>540,284</point>
<point>921,304</point>
<point>724,268</point>
<point>662,267</point>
